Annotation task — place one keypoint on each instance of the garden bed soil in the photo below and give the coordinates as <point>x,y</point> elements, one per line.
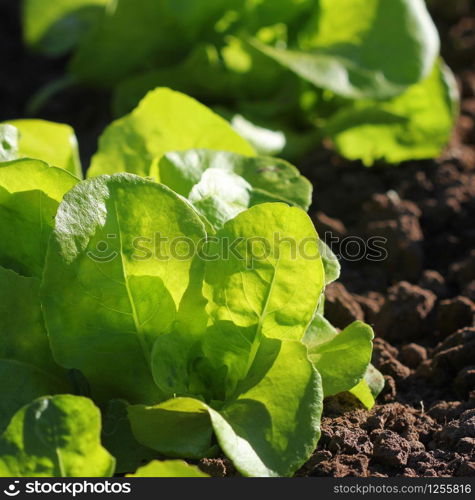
<point>420,299</point>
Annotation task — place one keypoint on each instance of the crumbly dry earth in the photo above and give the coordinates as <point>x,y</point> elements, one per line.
<point>420,299</point>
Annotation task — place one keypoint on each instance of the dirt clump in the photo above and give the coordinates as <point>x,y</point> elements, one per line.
<point>406,313</point>
<point>341,308</point>
<point>392,439</point>
<point>453,314</point>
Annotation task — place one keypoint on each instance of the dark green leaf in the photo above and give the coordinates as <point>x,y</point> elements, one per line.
<point>22,333</point>
<point>118,439</point>
<point>162,31</point>
<point>56,26</point>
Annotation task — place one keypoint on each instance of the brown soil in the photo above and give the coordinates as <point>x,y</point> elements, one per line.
<point>420,299</point>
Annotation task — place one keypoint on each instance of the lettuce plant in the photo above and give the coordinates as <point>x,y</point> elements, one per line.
<point>167,290</point>
<point>364,73</point>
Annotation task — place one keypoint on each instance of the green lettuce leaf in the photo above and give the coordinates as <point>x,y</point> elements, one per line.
<point>369,387</point>
<point>331,263</point>
<point>53,143</point>
<point>222,184</point>
<point>274,425</point>
<point>117,277</point>
<point>164,121</point>
<point>252,287</point>
<point>322,333</point>
<point>54,28</point>
<point>9,137</point>
<point>271,179</point>
<point>341,358</point>
<point>346,45</point>
<point>55,436</point>
<point>255,283</point>
<point>414,125</point>
<point>168,468</point>
<point>363,393</point>
<point>30,192</point>
<point>320,330</point>
<point>220,195</point>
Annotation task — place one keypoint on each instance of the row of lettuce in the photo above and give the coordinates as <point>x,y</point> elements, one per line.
<point>365,74</point>
<point>115,354</point>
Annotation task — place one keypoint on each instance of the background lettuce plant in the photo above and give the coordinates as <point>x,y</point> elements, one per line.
<point>183,356</point>
<point>364,73</point>
<point>53,143</point>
